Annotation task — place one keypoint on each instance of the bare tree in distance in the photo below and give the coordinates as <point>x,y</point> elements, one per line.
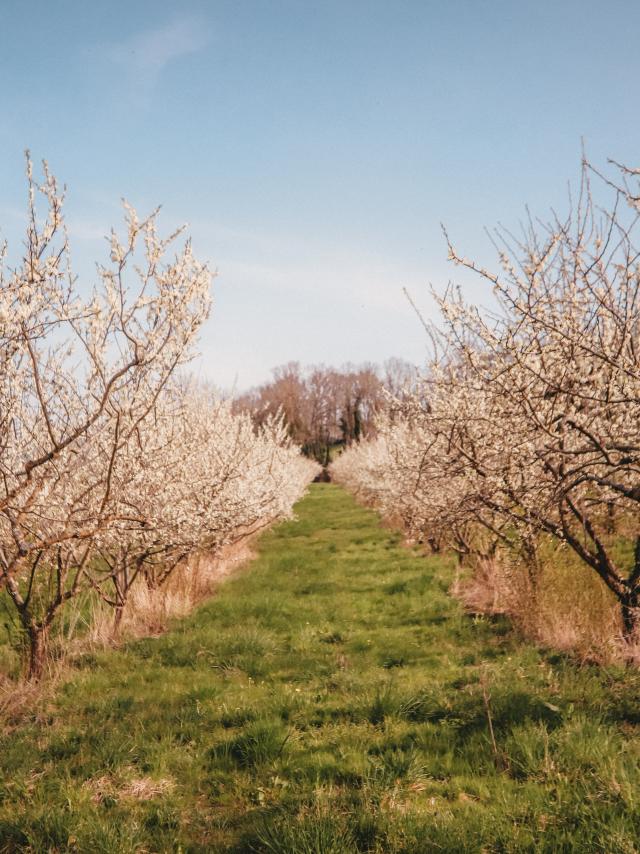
<point>328,408</point>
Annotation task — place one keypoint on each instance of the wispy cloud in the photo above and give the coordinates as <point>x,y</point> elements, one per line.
<point>363,283</point>
<point>147,53</point>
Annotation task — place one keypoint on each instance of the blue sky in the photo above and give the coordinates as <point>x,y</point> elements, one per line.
<point>314,148</point>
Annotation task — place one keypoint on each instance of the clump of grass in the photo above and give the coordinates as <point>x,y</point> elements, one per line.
<point>396,587</point>
<point>260,742</point>
<point>306,834</point>
<point>332,637</point>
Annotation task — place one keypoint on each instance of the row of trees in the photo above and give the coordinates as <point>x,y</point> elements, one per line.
<point>326,407</point>
<point>526,424</point>
<point>112,471</point>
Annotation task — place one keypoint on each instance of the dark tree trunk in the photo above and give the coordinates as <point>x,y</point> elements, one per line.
<point>117,618</point>
<point>37,651</point>
<point>610,523</point>
<point>630,599</point>
<point>629,607</point>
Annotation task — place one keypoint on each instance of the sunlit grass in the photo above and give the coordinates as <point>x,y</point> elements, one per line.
<point>331,698</point>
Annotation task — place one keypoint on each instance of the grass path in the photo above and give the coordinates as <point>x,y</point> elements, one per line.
<point>332,698</point>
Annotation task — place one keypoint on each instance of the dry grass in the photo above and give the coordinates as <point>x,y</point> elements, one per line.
<point>24,698</point>
<point>489,589</point>
<point>562,604</point>
<point>574,611</point>
<point>149,611</point>
<point>15,698</point>
<point>136,788</point>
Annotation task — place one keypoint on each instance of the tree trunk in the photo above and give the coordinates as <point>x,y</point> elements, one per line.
<point>610,523</point>
<point>117,618</point>
<point>629,607</point>
<point>37,651</point>
<point>630,599</point>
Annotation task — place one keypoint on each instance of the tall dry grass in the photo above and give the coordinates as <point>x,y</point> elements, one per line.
<point>558,602</point>
<point>150,610</point>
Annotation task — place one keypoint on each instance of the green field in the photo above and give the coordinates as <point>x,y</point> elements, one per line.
<point>331,698</point>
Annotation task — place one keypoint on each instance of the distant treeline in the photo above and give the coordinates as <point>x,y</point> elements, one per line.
<point>326,408</point>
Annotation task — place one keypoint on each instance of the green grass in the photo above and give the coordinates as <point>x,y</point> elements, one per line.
<point>329,699</point>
